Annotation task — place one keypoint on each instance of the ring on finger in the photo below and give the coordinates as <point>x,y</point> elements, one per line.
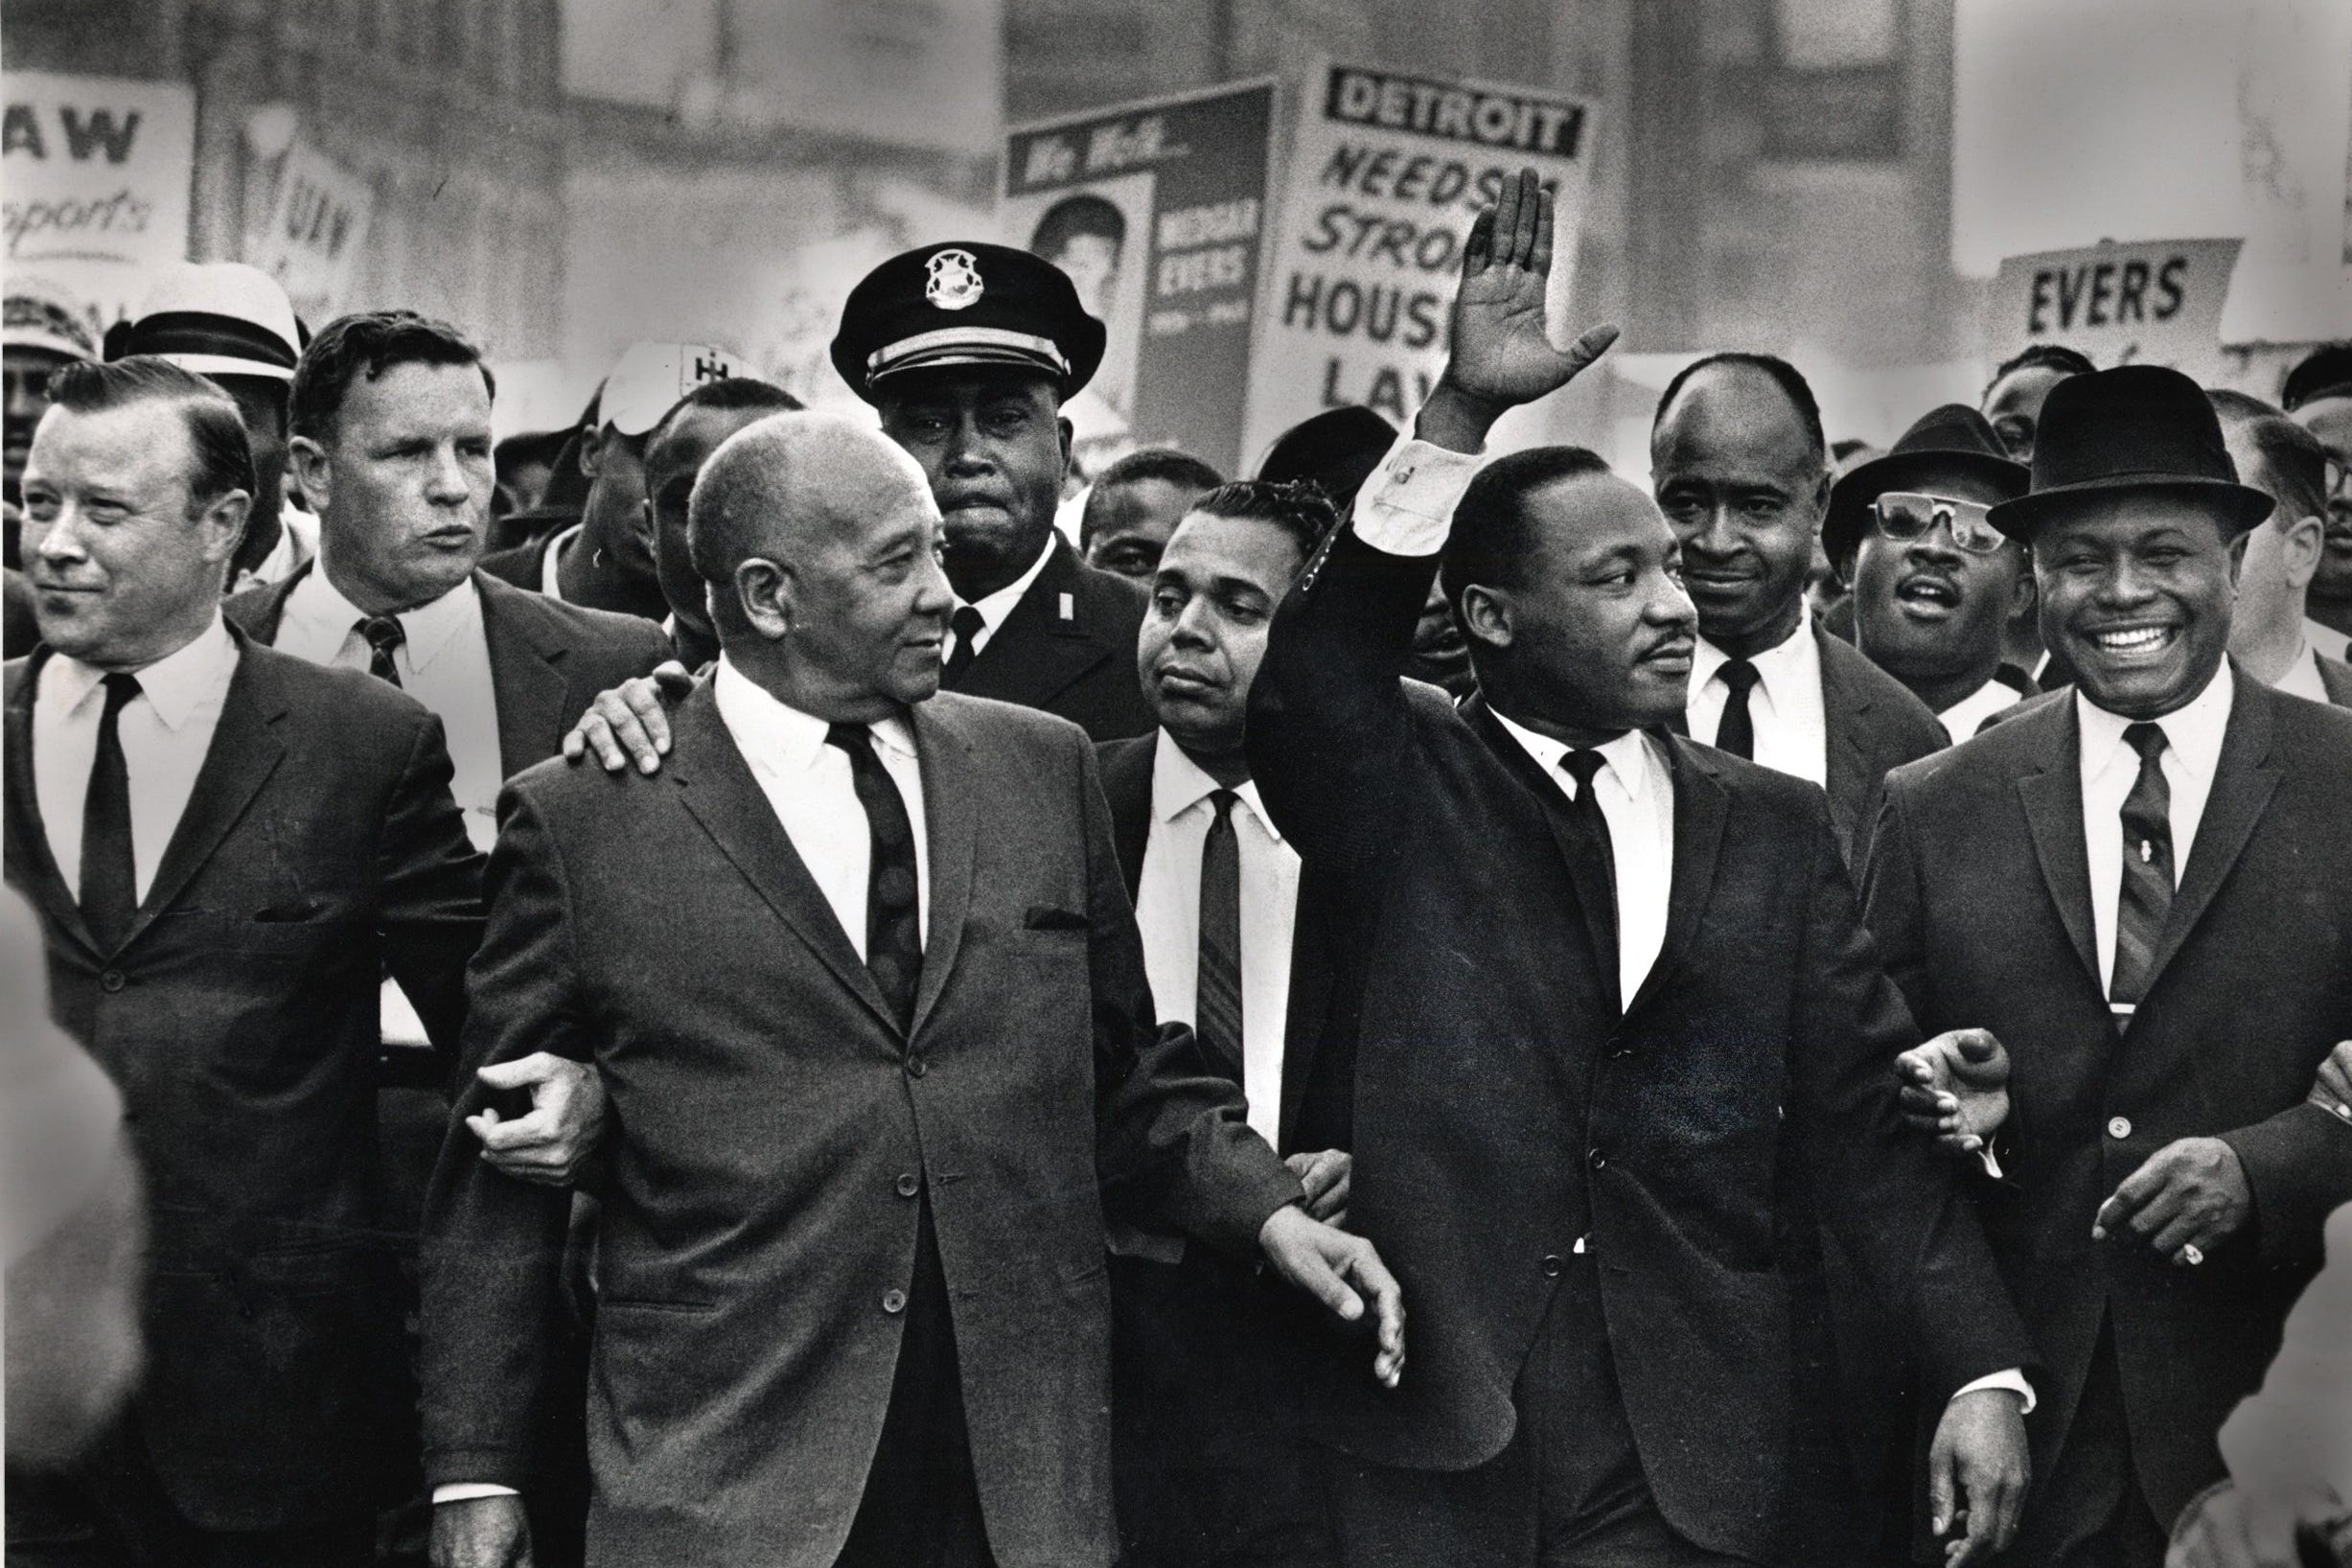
<point>2191,1254</point>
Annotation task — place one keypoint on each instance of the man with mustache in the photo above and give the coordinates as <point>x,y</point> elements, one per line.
<point>1739,467</point>
<point>1934,583</point>
<point>1613,1037</point>
<point>2140,889</point>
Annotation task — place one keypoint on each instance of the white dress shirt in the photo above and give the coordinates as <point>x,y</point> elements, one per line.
<point>166,732</point>
<point>2192,750</point>
<point>2302,676</point>
<point>998,605</point>
<point>1791,723</point>
<point>444,663</point>
<point>1167,911</point>
<point>551,561</point>
<point>1636,791</point>
<point>1964,718</point>
<point>808,783</point>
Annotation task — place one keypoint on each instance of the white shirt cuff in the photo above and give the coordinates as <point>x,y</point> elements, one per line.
<point>466,1491</point>
<point>1993,1166</point>
<point>2012,1380</point>
<point>1407,506</point>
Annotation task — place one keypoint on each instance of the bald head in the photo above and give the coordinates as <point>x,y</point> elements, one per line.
<point>820,541</point>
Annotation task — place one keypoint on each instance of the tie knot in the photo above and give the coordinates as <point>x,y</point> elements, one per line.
<point>119,689</point>
<point>855,739</point>
<point>1581,763</point>
<point>383,632</point>
<point>967,622</point>
<point>1221,801</point>
<point>1739,675</point>
<point>2147,739</point>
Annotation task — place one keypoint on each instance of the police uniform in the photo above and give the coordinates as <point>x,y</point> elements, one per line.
<point>1062,638</point>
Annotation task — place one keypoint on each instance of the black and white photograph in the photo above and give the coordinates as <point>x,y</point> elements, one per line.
<point>1176,784</point>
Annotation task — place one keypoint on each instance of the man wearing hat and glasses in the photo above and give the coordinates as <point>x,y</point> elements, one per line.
<point>2093,883</point>
<point>233,325</point>
<point>1934,583</point>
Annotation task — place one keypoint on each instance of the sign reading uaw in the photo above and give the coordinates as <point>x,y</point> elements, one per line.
<point>1385,175</point>
<point>97,172</point>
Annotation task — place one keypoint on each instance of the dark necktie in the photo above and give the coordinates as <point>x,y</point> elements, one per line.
<point>1737,733</point>
<point>2146,893</point>
<point>110,875</point>
<point>383,633</point>
<point>1582,765</point>
<point>1217,1006</point>
<point>893,926</point>
<point>967,623</point>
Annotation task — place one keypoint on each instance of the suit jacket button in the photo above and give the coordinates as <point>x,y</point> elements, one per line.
<point>111,981</point>
<point>894,1301</point>
<point>916,1067</point>
<point>1551,1266</point>
<point>2119,1127</point>
<point>910,1185</point>
<point>1597,1160</point>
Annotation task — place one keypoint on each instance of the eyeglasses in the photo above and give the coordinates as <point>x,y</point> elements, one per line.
<point>2339,476</point>
<point>1903,516</point>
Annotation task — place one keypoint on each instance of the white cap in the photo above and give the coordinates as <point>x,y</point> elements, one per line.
<point>217,319</point>
<point>649,379</point>
<point>40,314</point>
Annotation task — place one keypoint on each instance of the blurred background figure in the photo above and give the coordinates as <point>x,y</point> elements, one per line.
<point>40,329</point>
<point>2318,395</point>
<point>2012,401</point>
<point>2269,631</point>
<point>1136,504</point>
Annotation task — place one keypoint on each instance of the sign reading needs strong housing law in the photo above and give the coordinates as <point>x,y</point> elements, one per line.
<point>2154,302</point>
<point>1156,210</point>
<point>96,170</point>
<point>1385,175</point>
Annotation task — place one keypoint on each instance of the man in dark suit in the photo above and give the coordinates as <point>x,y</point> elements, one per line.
<point>2141,889</point>
<point>859,980</point>
<point>1740,471</point>
<point>228,847</point>
<point>1206,1453</point>
<point>1617,1037</point>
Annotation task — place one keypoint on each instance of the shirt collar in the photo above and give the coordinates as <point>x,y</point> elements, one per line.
<point>1627,756</point>
<point>322,616</point>
<point>1779,668</point>
<point>176,685</point>
<point>781,737</point>
<point>1178,784</point>
<point>2193,733</point>
<point>998,605</point>
<point>2302,676</point>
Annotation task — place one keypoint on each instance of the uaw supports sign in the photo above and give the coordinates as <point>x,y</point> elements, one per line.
<point>1386,175</point>
<point>2157,302</point>
<point>317,232</point>
<point>96,170</point>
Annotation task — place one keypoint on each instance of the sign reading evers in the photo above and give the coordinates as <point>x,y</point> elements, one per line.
<point>317,233</point>
<point>1156,210</point>
<point>97,172</point>
<point>2153,303</point>
<point>1384,176</point>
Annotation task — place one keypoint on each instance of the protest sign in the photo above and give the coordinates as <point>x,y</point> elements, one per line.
<point>1385,175</point>
<point>2155,302</point>
<point>97,173</point>
<point>1156,210</point>
<point>317,232</point>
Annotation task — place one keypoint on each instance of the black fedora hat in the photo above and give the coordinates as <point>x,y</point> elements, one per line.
<point>1954,438</point>
<point>2134,429</point>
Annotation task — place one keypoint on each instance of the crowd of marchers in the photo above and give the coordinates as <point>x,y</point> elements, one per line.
<point>712,989</point>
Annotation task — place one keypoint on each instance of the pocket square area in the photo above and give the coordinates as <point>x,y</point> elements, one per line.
<point>1052,917</point>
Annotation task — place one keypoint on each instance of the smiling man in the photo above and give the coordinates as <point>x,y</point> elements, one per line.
<point>1934,583</point>
<point>2094,881</point>
<point>1740,472</point>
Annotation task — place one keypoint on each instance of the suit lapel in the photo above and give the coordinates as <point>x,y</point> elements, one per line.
<point>35,868</point>
<point>1595,902</point>
<point>259,611</point>
<point>527,680</point>
<point>729,802</point>
<point>1038,652</point>
<point>1127,773</point>
<point>2052,796</point>
<point>2244,780</point>
<point>1701,808</point>
<point>951,833</point>
<point>246,750</point>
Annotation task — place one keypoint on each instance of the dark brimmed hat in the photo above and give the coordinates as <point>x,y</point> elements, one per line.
<point>1954,438</point>
<point>2137,428</point>
<point>1337,449</point>
<point>966,303</point>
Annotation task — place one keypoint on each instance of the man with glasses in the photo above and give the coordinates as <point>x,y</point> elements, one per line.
<point>2318,396</point>
<point>1934,583</point>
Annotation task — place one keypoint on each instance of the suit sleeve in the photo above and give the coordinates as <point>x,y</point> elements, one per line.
<point>429,891</point>
<point>492,1247</point>
<point>2298,1164</point>
<point>1891,905</point>
<point>1173,1144</point>
<point>1892,1199</point>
